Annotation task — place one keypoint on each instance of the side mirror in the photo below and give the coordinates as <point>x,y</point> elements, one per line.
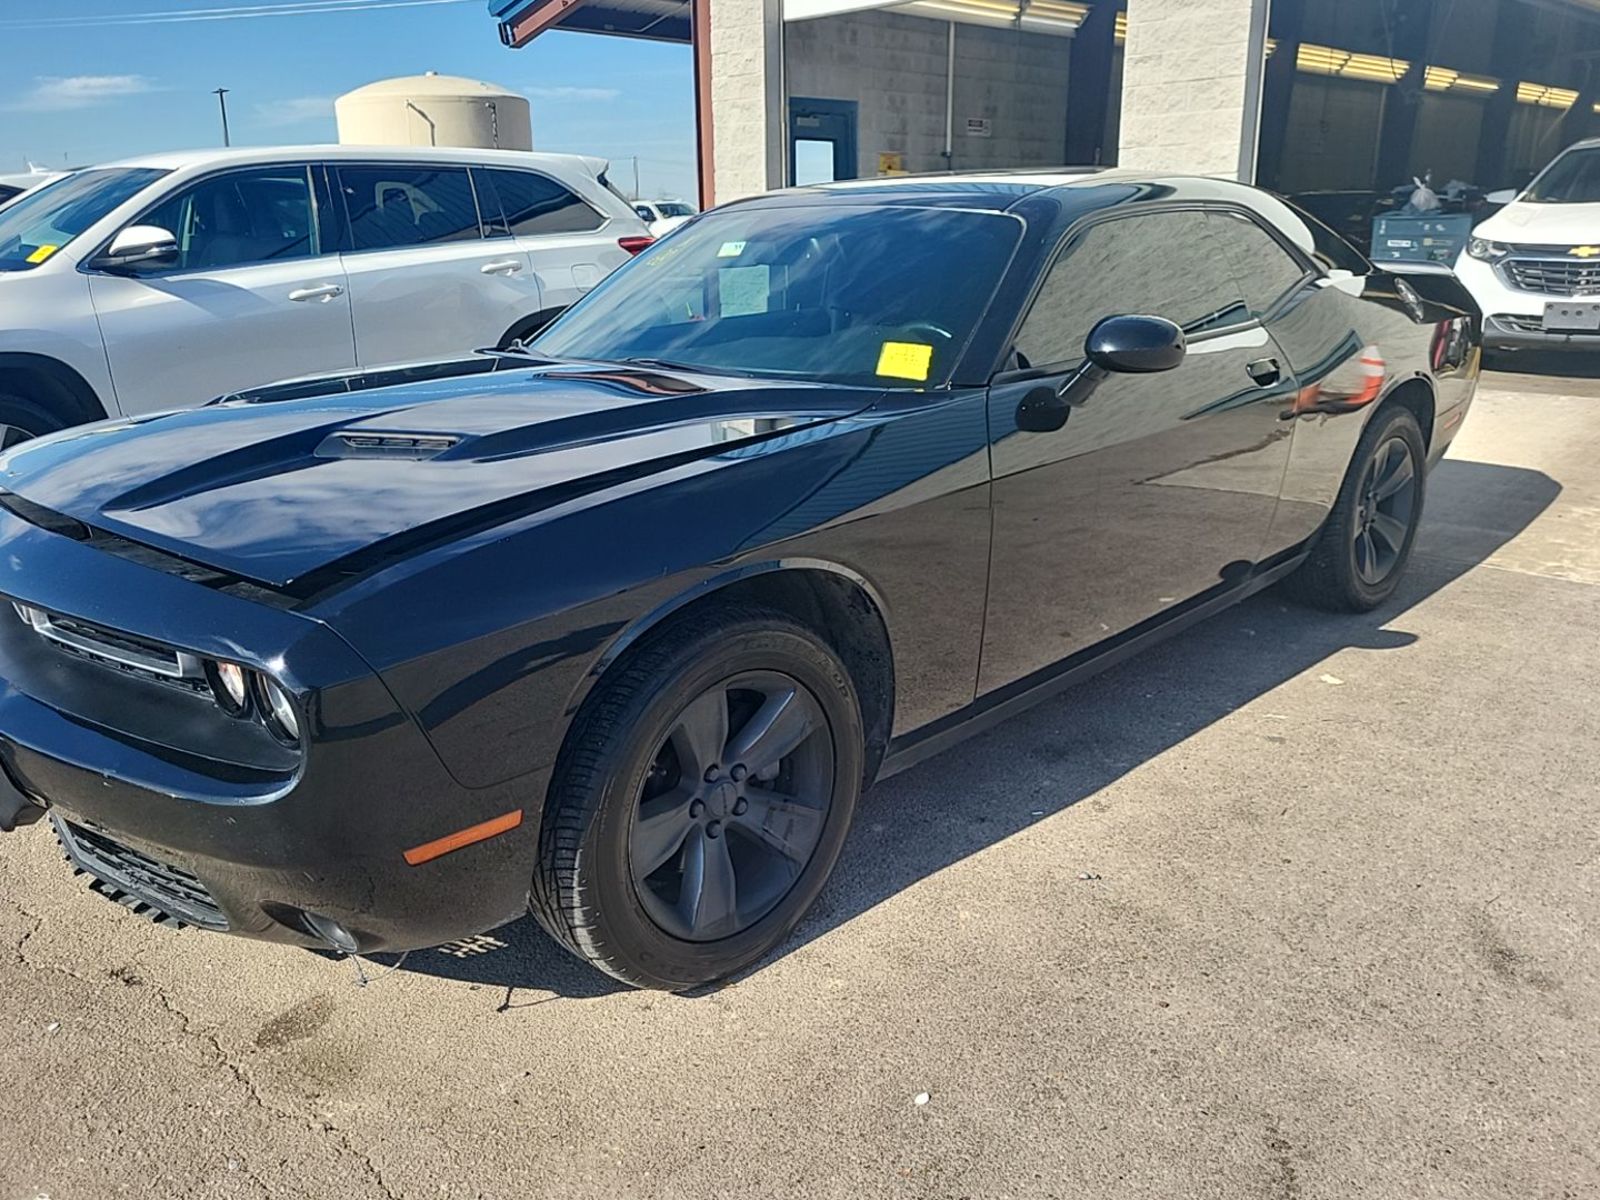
<point>1117,345</point>
<point>1135,345</point>
<point>1503,196</point>
<point>139,245</point>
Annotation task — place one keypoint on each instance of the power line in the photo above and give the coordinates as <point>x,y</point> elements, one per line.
<point>238,12</point>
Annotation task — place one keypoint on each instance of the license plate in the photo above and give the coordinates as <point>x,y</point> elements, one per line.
<point>1572,317</point>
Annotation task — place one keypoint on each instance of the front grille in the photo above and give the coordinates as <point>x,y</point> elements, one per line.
<point>1554,276</point>
<point>111,648</point>
<point>1518,324</point>
<point>165,893</point>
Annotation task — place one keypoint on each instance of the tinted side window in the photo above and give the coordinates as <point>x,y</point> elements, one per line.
<point>408,205</point>
<point>1162,264</point>
<point>1265,271</point>
<point>535,204</point>
<point>239,218</point>
<point>1329,249</point>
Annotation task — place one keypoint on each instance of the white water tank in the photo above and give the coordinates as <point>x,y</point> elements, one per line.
<point>434,110</point>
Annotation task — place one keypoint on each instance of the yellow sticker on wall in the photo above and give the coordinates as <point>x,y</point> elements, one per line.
<point>905,360</point>
<point>42,253</point>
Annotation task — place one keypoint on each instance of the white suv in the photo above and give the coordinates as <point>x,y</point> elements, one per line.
<point>165,281</point>
<point>1534,267</point>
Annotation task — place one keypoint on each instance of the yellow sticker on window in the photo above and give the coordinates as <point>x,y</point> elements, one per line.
<point>905,360</point>
<point>42,253</point>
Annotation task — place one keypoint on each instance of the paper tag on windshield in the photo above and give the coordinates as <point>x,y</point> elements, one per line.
<point>731,250</point>
<point>42,253</point>
<point>905,360</point>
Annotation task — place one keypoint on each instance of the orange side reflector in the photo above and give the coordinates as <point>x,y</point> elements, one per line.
<point>429,851</point>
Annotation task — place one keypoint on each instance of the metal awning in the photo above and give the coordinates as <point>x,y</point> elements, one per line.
<point>654,20</point>
<point>668,20</point>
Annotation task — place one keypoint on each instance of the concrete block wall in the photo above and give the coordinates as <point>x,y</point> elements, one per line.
<point>747,96</point>
<point>1189,85</point>
<point>894,67</point>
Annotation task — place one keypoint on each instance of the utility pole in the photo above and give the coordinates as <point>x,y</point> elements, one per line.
<point>635,176</point>
<point>222,102</point>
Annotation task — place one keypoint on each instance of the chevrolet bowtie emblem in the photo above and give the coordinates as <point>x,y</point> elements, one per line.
<point>1584,251</point>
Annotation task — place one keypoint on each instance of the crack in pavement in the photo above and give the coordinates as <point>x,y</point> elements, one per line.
<point>220,1057</point>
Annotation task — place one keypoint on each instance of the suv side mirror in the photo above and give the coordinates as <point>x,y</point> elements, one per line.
<point>139,245</point>
<point>1135,345</point>
<point>1503,196</point>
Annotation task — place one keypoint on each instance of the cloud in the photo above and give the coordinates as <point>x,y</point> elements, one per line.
<point>571,93</point>
<point>296,110</point>
<point>58,93</point>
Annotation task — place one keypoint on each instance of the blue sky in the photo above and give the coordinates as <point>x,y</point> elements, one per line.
<point>92,80</point>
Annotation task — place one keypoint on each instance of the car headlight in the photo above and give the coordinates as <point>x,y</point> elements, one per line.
<point>1485,250</point>
<point>282,718</point>
<point>230,684</point>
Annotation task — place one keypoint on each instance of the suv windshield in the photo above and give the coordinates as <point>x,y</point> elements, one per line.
<point>672,208</point>
<point>1574,178</point>
<point>36,225</point>
<point>879,296</point>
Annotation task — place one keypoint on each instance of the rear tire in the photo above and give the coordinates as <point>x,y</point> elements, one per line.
<point>1360,555</point>
<point>22,418</point>
<point>666,866</point>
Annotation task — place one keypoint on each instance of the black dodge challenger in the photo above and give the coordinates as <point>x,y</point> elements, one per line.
<point>618,625</point>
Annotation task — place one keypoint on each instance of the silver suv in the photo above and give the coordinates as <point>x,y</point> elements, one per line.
<point>162,282</point>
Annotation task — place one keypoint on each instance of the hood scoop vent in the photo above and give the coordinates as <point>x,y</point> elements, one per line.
<point>414,447</point>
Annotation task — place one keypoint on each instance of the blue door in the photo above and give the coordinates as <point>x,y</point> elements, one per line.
<point>822,140</point>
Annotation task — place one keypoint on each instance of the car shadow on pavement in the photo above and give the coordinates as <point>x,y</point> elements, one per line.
<point>1069,748</point>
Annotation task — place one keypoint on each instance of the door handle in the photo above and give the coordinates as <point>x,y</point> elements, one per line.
<point>324,291</point>
<point>1265,371</point>
<point>503,266</point>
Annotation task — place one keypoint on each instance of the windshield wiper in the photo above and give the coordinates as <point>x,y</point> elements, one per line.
<point>665,364</point>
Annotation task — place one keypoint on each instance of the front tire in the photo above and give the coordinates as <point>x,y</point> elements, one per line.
<point>1360,555</point>
<point>701,799</point>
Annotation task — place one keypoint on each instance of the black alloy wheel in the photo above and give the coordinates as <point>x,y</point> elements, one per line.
<point>1358,559</point>
<point>733,806</point>
<point>701,798</point>
<point>1388,496</point>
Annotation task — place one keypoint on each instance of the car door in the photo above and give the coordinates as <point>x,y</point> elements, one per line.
<point>256,293</point>
<point>424,281</point>
<point>1158,488</point>
<point>1336,343</point>
<point>564,236</point>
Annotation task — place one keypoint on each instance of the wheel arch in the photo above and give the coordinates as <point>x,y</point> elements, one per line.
<point>1416,393</point>
<point>66,393</point>
<point>840,605</point>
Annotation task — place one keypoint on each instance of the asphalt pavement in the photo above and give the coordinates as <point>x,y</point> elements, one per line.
<point>1293,906</point>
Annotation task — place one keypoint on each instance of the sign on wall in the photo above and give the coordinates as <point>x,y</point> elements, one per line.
<point>891,162</point>
<point>979,127</point>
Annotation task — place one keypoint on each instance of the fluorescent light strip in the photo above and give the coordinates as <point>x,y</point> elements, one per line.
<point>1545,96</point>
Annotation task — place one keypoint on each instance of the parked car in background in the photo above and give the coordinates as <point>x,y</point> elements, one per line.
<point>165,281</point>
<point>663,216</point>
<point>12,186</point>
<point>821,483</point>
<point>1534,266</point>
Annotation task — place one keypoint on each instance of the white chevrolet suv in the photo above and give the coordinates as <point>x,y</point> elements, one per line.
<point>1534,266</point>
<point>165,281</point>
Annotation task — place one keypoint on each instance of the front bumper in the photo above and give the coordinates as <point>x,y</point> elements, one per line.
<point>1504,331</point>
<point>176,811</point>
<point>1513,319</point>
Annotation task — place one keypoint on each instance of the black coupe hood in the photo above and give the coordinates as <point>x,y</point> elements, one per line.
<point>274,491</point>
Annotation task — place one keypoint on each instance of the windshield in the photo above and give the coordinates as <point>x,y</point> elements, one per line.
<point>38,224</point>
<point>879,296</point>
<point>1574,178</point>
<point>671,208</point>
